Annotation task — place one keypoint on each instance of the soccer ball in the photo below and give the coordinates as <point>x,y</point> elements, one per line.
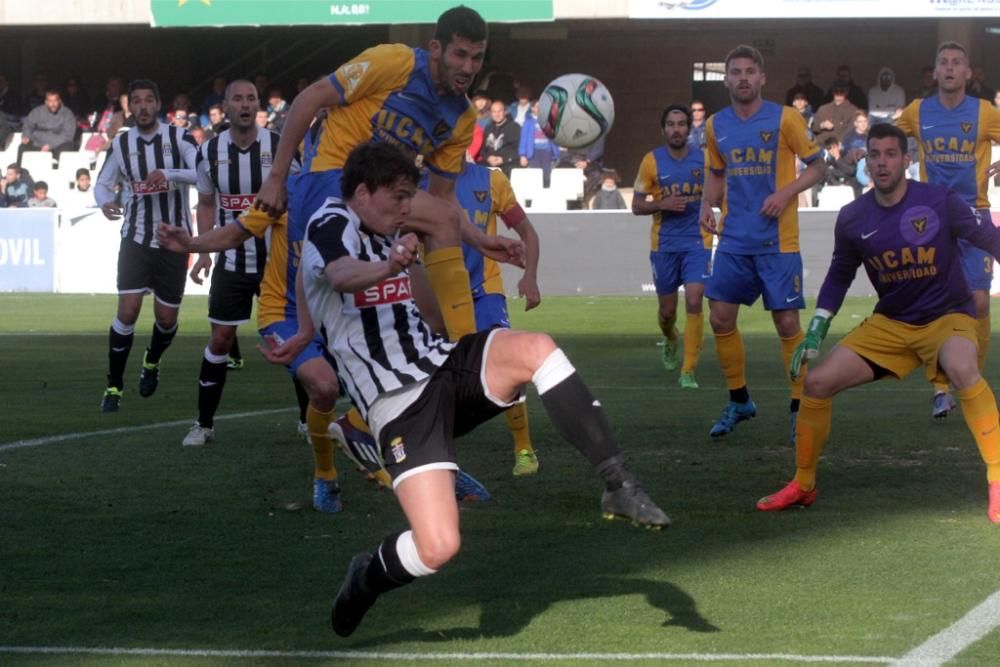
<point>575,110</point>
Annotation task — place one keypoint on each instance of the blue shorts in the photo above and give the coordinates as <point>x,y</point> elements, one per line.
<point>311,190</point>
<point>673,269</point>
<point>977,264</point>
<point>491,311</point>
<point>743,278</point>
<point>286,329</point>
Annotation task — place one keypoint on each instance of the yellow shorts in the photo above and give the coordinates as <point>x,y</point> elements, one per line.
<point>900,348</point>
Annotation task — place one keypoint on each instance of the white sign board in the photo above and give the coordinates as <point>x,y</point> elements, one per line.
<point>810,9</point>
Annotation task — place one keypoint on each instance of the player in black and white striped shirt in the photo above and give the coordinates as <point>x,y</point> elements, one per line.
<point>155,164</point>
<point>418,391</point>
<point>231,167</point>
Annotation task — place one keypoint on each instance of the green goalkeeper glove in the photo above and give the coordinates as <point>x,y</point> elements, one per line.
<point>808,349</point>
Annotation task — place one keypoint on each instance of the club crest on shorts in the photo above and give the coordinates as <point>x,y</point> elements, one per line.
<point>397,450</point>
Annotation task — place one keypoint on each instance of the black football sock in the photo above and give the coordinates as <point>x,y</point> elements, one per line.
<point>159,343</point>
<point>741,395</point>
<point>120,338</point>
<point>211,381</point>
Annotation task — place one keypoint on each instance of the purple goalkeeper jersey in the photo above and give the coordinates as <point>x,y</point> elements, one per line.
<point>910,251</point>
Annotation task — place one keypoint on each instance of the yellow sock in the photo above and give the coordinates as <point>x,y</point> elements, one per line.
<point>983,339</point>
<point>980,409</point>
<point>732,358</point>
<point>694,328</point>
<point>517,422</point>
<point>319,436</point>
<point>450,282</point>
<point>812,430</point>
<point>357,422</point>
<point>788,346</point>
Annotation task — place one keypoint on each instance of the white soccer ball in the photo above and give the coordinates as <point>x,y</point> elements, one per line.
<point>575,110</point>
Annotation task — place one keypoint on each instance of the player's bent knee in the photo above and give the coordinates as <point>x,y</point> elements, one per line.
<point>818,385</point>
<point>222,340</point>
<point>963,375</point>
<point>436,550</point>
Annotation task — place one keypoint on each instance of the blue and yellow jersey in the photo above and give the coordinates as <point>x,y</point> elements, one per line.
<point>954,143</point>
<point>277,287</point>
<point>661,175</point>
<point>484,194</point>
<point>388,95</point>
<point>757,157</point>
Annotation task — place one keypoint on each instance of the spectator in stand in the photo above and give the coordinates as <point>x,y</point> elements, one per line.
<point>801,104</point>
<point>50,127</point>
<point>198,134</point>
<point>180,119</point>
<point>855,95</point>
<point>277,109</point>
<point>122,119</point>
<point>521,109</point>
<point>10,112</point>
<point>609,197</point>
<point>804,84</point>
<point>81,194</point>
<point>75,99</point>
<point>15,187</point>
<point>181,102</point>
<point>217,119</point>
<point>39,87</point>
<point>591,160</point>
<point>536,149</point>
<point>885,97</point>
<point>482,103</point>
<point>977,85</point>
<point>104,118</point>
<point>476,147</point>
<point>41,197</point>
<point>262,119</point>
<point>215,97</point>
<point>927,87</point>
<point>501,139</point>
<point>839,170</point>
<point>835,118</point>
<point>855,142</point>
<point>696,139</point>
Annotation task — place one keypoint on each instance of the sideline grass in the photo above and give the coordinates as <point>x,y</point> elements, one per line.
<point>132,541</point>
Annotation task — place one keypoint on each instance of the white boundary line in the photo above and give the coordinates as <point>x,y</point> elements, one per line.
<point>464,657</point>
<point>958,636</point>
<point>48,440</point>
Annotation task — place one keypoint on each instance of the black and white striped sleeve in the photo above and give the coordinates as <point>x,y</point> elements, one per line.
<point>328,231</point>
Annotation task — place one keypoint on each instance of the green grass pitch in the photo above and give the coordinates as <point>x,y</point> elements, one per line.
<point>116,536</point>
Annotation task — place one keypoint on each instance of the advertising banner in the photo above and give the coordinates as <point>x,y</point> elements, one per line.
<point>810,9</point>
<point>27,249</point>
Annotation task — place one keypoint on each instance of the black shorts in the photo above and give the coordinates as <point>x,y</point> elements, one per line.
<point>144,269</point>
<point>230,301</point>
<point>453,403</point>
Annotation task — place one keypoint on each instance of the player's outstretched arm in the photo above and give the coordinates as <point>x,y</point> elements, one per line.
<point>221,238</point>
<point>808,349</point>
<point>272,196</point>
<point>348,274</point>
<point>527,286</point>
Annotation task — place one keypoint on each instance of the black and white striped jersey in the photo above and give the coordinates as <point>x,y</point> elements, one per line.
<point>234,176</point>
<point>132,157</point>
<point>377,337</point>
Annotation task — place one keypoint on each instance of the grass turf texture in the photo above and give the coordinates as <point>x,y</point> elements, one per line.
<point>129,540</point>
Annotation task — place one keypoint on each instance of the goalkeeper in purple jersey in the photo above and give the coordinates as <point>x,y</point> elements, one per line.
<point>906,234</point>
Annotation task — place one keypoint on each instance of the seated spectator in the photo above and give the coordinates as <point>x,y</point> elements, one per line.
<point>536,149</point>
<point>114,90</point>
<point>10,112</point>
<point>501,139</point>
<point>927,87</point>
<point>277,109</point>
<point>804,84</point>
<point>608,198</point>
<point>76,99</point>
<point>39,87</point>
<point>591,160</point>
<point>122,120</point>
<point>198,134</point>
<point>839,170</point>
<point>262,119</point>
<point>696,139</point>
<point>217,118</point>
<point>215,97</point>
<point>520,108</point>
<point>41,197</point>
<point>977,85</point>
<point>855,142</point>
<point>476,147</point>
<point>482,103</point>
<point>49,128</point>
<point>885,97</point>
<point>181,104</point>
<point>81,194</point>
<point>15,187</point>
<point>854,94</point>
<point>835,118</point>
<point>181,119</point>
<point>801,104</point>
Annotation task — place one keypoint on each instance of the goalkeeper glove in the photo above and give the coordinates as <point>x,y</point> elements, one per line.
<point>808,349</point>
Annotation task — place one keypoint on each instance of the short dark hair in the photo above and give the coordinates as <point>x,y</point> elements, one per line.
<point>884,131</point>
<point>229,87</point>
<point>40,185</point>
<point>744,51</point>
<point>675,107</point>
<point>82,171</point>
<point>461,21</point>
<point>14,166</point>
<point>376,164</point>
<point>952,46</point>
<point>830,142</point>
<point>52,91</point>
<point>143,84</point>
